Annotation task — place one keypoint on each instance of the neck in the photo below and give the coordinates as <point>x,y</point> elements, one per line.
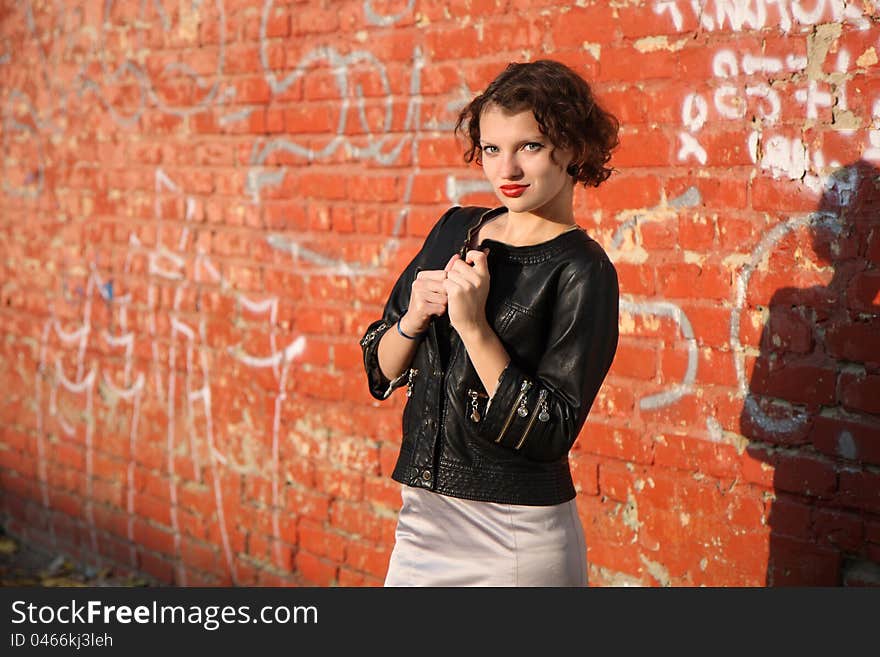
<point>549,221</point>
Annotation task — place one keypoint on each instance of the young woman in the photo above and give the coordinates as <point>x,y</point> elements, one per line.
<point>502,328</point>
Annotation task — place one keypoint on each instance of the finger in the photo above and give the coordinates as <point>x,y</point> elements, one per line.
<point>431,275</point>
<point>452,286</point>
<point>478,259</point>
<point>464,274</point>
<point>436,297</point>
<point>423,287</point>
<point>461,280</point>
<point>450,263</point>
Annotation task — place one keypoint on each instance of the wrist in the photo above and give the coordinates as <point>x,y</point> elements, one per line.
<point>475,333</point>
<point>410,327</point>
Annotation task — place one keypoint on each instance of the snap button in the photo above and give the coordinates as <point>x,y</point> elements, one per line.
<point>426,475</point>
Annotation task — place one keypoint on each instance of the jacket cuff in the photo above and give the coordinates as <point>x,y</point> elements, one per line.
<point>512,413</point>
<point>380,386</point>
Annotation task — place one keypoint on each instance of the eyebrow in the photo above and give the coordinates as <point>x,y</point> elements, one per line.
<point>524,141</point>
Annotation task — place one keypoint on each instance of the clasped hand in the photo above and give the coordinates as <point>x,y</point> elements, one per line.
<point>461,288</point>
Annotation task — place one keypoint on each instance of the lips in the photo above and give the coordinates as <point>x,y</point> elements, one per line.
<point>513,190</point>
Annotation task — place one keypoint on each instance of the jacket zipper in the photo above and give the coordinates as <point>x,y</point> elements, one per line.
<point>524,388</point>
<point>541,397</point>
<point>475,415</point>
<point>409,384</point>
<point>369,337</point>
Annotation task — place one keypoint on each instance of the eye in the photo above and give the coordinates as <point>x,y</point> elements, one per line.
<point>533,146</point>
<point>489,149</point>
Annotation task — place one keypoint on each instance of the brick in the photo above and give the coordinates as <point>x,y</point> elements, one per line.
<point>804,474</point>
<point>306,503</point>
<point>745,559</point>
<point>791,516</point>
<point>659,489</point>
<point>800,563</point>
<point>838,437</point>
<point>157,567</point>
<point>794,380</point>
<point>782,195</point>
<point>863,293</point>
<point>859,342</point>
<point>340,483</point>
<point>316,571</point>
<point>789,331</point>
<point>198,555</point>
<point>352,578</point>
<point>443,43</point>
<point>683,280</point>
<point>635,279</point>
<point>362,521</point>
<point>696,231</point>
<point>627,63</point>
<point>839,530</point>
<point>747,509</point>
<point>758,466</point>
<point>643,147</point>
<point>659,234</point>
<point>634,361</point>
<point>617,442</point>
<point>627,191</point>
<point>686,453</point>
<point>153,537</point>
<point>615,482</point>
<point>859,490</point>
<point>614,399</point>
<point>317,540</point>
<point>585,472</point>
<point>368,558</point>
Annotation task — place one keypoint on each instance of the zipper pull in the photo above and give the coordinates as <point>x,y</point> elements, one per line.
<point>409,384</point>
<point>475,413</point>
<point>523,410</point>
<point>544,415</point>
<point>368,338</point>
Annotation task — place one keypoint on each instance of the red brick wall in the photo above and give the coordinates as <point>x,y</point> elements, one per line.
<point>204,204</point>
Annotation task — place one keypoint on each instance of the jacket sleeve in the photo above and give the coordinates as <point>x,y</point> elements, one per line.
<point>379,385</point>
<point>541,413</point>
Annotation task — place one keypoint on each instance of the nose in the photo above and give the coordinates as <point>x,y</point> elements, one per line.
<point>509,168</point>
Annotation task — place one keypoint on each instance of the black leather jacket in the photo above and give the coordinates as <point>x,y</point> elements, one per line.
<point>554,307</point>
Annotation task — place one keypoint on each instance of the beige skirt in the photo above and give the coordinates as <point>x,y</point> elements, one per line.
<point>447,541</point>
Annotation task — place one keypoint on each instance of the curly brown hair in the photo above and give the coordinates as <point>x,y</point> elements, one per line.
<point>564,107</point>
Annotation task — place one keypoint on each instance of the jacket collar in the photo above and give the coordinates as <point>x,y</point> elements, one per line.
<point>479,220</point>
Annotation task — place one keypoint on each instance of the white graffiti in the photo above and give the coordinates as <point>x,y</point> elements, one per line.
<point>378,19</point>
<point>842,187</point>
<point>795,417</point>
<point>201,87</point>
<point>676,314</point>
<point>715,15</point>
<point>192,394</point>
<point>621,249</point>
<point>780,155</point>
<point>378,149</point>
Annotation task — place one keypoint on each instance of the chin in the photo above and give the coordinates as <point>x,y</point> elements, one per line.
<point>514,204</point>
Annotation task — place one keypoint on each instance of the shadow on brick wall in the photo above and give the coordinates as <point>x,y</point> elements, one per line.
<point>812,410</point>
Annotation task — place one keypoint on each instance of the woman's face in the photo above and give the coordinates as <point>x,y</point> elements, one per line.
<point>516,160</point>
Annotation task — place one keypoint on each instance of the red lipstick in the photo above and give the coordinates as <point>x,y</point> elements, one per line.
<point>513,190</point>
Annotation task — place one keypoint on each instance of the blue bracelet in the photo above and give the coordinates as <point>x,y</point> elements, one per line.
<point>408,337</point>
